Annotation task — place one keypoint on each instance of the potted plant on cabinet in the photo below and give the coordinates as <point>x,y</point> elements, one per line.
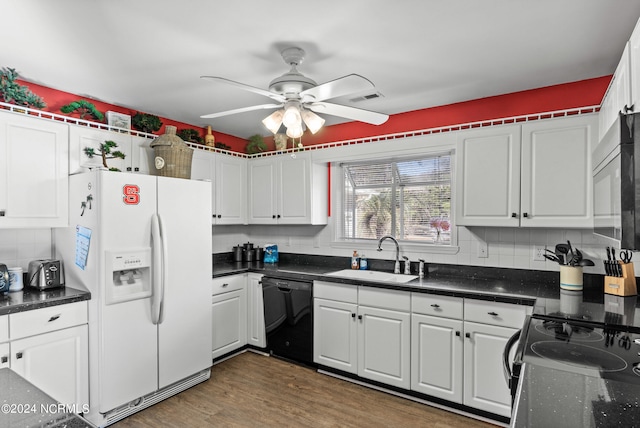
<point>14,93</point>
<point>146,122</point>
<point>106,153</point>
<point>256,144</point>
<point>84,108</point>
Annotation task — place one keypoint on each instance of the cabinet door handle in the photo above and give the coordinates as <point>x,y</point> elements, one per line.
<point>2,213</point>
<point>219,215</point>
<point>353,315</point>
<point>627,108</point>
<point>467,335</point>
<point>360,317</point>
<point>278,215</point>
<point>457,334</point>
<point>493,314</point>
<point>273,216</point>
<point>525,215</point>
<point>18,355</point>
<point>514,215</point>
<point>4,359</point>
<point>435,305</point>
<point>53,318</point>
<point>136,169</point>
<point>128,169</point>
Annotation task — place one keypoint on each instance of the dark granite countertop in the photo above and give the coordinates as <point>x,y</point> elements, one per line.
<point>32,298</point>
<point>23,405</point>
<point>554,398</point>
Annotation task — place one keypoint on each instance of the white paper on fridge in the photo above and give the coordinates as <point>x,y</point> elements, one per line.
<point>83,239</point>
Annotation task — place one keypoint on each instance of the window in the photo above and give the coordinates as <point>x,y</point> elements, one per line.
<point>409,199</point>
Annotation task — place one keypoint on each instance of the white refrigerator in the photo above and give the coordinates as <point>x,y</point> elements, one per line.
<point>142,246</point>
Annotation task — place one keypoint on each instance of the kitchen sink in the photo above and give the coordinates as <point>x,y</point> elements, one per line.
<point>373,275</point>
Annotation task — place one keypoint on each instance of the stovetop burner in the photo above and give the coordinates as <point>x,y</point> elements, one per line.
<point>579,355</point>
<point>565,331</point>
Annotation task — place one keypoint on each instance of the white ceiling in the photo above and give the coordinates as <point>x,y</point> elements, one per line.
<point>148,55</point>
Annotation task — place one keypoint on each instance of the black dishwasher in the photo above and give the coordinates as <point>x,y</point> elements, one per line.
<point>288,318</point>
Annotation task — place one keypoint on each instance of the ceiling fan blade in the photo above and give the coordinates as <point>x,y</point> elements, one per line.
<point>259,91</point>
<point>346,85</point>
<point>240,110</point>
<point>358,114</point>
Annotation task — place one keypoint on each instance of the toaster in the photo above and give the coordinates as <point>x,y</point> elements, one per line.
<point>44,274</point>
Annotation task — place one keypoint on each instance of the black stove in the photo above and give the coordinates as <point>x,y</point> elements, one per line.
<point>578,346</point>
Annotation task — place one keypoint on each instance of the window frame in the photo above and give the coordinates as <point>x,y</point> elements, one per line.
<point>363,243</point>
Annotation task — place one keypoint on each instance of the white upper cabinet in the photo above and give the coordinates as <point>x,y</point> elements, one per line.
<point>137,150</point>
<point>287,189</point>
<point>488,177</point>
<point>618,95</point>
<point>556,180</point>
<point>634,61</point>
<point>34,171</point>
<point>228,175</point>
<point>623,94</point>
<point>534,175</point>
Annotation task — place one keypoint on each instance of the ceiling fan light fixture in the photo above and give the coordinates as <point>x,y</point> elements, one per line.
<point>273,121</point>
<point>312,120</point>
<point>294,131</point>
<point>292,117</point>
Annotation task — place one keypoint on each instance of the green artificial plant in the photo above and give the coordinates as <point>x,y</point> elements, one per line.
<point>84,108</point>
<point>190,135</point>
<point>146,122</point>
<point>256,144</point>
<point>106,153</point>
<point>14,93</point>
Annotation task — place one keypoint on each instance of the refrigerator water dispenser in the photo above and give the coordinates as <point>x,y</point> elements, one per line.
<point>128,275</point>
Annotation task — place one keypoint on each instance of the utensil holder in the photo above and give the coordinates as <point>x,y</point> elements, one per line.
<point>571,278</point>
<point>624,285</point>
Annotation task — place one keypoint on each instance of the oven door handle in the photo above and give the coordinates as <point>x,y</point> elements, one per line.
<point>508,374</point>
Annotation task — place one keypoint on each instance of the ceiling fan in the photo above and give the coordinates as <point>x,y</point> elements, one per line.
<point>298,97</point>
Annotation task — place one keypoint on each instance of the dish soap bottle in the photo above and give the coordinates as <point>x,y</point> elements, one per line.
<point>364,264</point>
<point>355,261</point>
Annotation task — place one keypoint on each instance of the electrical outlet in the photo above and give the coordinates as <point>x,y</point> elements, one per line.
<point>483,252</point>
<point>538,253</point>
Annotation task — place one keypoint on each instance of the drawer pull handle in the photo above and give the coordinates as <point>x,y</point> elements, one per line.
<point>18,355</point>
<point>435,305</point>
<point>55,317</point>
<point>225,285</point>
<point>493,314</point>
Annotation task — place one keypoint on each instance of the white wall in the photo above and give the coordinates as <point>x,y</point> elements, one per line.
<point>19,246</point>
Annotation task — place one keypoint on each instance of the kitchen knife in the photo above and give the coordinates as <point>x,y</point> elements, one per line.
<point>617,270</point>
<point>607,263</point>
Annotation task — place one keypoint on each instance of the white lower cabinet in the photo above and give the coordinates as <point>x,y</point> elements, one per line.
<point>4,341</point>
<point>256,335</point>
<point>55,362</point>
<point>49,348</point>
<point>228,314</point>
<point>441,346</point>
<point>363,330</point>
<point>487,328</point>
<point>437,346</point>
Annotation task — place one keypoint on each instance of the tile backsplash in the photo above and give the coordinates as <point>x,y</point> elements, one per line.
<point>506,247</point>
<point>19,246</point>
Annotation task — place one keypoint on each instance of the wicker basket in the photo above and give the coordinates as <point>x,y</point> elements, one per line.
<point>172,155</point>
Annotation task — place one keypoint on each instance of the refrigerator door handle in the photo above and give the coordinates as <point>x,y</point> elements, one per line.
<point>165,268</point>
<point>156,297</point>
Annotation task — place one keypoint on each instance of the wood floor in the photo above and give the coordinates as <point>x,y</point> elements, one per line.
<point>251,390</point>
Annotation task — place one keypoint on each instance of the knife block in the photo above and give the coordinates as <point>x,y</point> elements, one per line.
<point>624,285</point>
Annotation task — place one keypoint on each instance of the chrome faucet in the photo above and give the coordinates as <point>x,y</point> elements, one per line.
<point>396,268</point>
